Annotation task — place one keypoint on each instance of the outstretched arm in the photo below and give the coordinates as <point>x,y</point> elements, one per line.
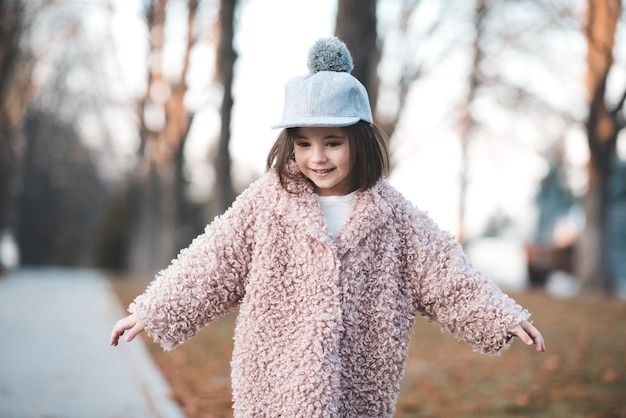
<point>206,280</point>
<point>458,296</point>
<point>132,323</point>
<point>529,335</point>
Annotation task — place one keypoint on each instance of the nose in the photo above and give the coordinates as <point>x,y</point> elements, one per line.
<point>318,154</point>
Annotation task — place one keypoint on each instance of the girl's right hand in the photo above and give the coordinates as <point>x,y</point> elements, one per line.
<point>132,323</point>
<point>529,335</point>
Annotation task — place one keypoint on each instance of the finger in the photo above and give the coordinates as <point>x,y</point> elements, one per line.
<point>539,342</point>
<point>523,335</point>
<point>115,336</point>
<point>138,327</point>
<point>118,330</point>
<point>134,331</point>
<point>536,336</point>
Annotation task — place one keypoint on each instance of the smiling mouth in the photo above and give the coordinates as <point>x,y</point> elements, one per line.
<point>322,172</point>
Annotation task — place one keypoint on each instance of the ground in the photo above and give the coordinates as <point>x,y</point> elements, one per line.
<point>582,373</point>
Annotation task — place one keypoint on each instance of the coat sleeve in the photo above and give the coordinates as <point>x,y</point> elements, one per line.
<point>450,291</point>
<point>205,281</point>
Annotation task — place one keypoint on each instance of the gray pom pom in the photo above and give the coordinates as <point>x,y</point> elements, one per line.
<point>329,54</point>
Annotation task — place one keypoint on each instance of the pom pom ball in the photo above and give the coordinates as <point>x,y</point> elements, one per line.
<point>329,54</point>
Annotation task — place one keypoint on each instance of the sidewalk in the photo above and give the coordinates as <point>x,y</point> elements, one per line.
<point>55,358</point>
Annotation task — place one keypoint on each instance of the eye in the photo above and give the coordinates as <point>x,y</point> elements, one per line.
<point>302,144</point>
<point>335,141</point>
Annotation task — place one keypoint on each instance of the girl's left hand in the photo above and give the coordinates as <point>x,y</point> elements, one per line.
<point>132,323</point>
<point>529,335</point>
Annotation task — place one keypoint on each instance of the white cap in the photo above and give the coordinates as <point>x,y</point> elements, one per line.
<point>329,95</point>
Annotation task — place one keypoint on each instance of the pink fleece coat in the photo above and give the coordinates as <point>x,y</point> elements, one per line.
<point>323,326</point>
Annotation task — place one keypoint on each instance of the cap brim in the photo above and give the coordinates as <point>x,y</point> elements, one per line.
<point>316,122</point>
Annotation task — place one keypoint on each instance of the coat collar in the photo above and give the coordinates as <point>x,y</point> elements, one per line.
<point>369,211</point>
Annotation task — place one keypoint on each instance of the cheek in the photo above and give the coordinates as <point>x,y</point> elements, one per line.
<point>299,159</point>
<point>345,162</point>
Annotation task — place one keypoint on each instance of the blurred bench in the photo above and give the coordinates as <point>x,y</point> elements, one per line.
<point>543,259</point>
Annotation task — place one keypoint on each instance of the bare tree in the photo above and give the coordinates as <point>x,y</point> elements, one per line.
<point>164,124</point>
<point>467,122</point>
<point>225,68</point>
<point>357,25</point>
<point>54,167</point>
<point>16,92</point>
<point>603,124</point>
<point>411,68</point>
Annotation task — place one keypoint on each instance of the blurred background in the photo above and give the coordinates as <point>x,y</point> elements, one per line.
<point>127,125</point>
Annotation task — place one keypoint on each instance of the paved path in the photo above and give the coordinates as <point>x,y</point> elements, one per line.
<point>55,358</point>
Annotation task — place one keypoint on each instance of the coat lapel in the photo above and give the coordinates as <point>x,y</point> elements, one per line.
<point>304,211</point>
<point>369,212</point>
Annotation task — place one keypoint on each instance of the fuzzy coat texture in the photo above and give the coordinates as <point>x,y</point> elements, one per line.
<point>324,326</point>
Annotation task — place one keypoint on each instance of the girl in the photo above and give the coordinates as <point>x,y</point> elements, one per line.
<point>329,265</point>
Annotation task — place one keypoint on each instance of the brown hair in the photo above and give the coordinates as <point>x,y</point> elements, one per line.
<point>369,155</point>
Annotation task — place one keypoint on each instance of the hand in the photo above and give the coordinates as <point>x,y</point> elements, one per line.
<point>131,322</point>
<point>529,335</point>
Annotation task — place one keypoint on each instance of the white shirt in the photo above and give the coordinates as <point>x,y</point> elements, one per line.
<point>336,210</point>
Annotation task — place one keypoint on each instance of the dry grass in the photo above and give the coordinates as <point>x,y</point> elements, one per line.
<point>583,373</point>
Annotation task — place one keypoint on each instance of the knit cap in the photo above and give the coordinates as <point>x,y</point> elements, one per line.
<point>329,95</point>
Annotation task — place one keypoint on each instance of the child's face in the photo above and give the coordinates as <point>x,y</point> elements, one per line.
<point>323,156</point>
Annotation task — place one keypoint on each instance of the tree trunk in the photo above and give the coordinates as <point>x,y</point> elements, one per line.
<point>356,26</point>
<point>592,263</point>
<point>225,66</point>
<point>157,193</point>
<point>16,92</point>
